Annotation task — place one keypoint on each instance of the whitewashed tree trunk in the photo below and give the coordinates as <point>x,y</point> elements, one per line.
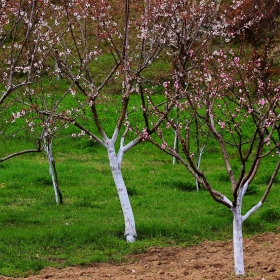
<point>238,240</point>
<point>115,164</point>
<point>52,168</point>
<point>175,147</point>
<point>198,165</point>
<point>58,76</point>
<point>238,220</point>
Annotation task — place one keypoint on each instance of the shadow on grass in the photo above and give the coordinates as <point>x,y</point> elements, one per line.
<point>186,186</point>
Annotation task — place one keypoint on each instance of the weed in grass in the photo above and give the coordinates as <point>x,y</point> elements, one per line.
<point>131,190</point>
<point>43,181</point>
<point>223,177</point>
<point>87,203</point>
<point>265,178</point>
<point>270,215</point>
<point>2,166</point>
<point>252,225</point>
<point>252,190</point>
<point>187,186</point>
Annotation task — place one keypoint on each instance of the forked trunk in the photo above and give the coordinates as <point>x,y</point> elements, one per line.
<point>238,241</point>
<point>115,164</point>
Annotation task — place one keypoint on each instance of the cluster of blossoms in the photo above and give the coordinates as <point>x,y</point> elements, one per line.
<point>18,115</point>
<point>262,102</point>
<point>31,124</point>
<point>80,134</point>
<point>145,134</point>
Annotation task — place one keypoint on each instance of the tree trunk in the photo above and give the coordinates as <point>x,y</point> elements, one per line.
<point>176,148</point>
<point>115,164</point>
<point>238,241</point>
<point>58,194</point>
<point>53,173</point>
<point>198,165</point>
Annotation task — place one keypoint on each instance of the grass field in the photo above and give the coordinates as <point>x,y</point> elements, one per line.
<point>88,227</point>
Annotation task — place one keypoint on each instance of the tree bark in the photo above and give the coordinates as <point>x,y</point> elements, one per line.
<point>53,173</point>
<point>115,164</point>
<point>198,165</point>
<point>176,148</point>
<point>238,241</point>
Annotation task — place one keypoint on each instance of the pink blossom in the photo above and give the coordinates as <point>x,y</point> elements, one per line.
<point>222,124</point>
<point>267,123</point>
<point>262,102</point>
<point>191,53</point>
<point>242,99</point>
<point>236,60</point>
<point>224,77</point>
<point>145,134</point>
<point>261,83</point>
<point>163,145</point>
<point>176,85</point>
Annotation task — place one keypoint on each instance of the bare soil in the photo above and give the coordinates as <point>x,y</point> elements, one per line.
<point>209,260</point>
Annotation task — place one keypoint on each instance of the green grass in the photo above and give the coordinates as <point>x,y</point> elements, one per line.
<point>89,227</point>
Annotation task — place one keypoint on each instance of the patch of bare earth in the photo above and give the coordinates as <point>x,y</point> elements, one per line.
<point>209,260</point>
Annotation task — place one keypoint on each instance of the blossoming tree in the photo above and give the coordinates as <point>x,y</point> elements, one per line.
<point>103,50</point>
<point>25,48</point>
<point>228,91</point>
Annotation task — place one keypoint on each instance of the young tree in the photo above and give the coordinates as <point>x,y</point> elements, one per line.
<point>103,51</point>
<point>242,113</point>
<point>228,90</point>
<point>25,48</point>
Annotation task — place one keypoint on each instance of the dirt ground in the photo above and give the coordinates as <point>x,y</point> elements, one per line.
<point>209,260</point>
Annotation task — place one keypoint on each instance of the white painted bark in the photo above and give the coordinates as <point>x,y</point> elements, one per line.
<point>53,173</point>
<point>238,241</point>
<point>115,164</point>
<point>56,68</point>
<point>251,211</point>
<point>237,232</point>
<point>174,160</point>
<point>198,165</point>
<point>238,220</point>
